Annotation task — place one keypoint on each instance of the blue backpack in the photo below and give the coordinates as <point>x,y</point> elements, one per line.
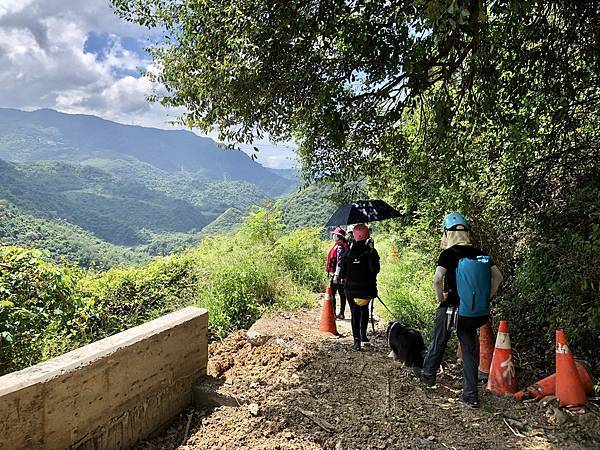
<point>473,283</point>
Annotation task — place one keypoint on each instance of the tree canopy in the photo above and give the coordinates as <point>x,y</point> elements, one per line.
<point>345,78</point>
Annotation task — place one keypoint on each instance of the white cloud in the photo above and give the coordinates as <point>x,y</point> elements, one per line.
<point>11,7</point>
<point>44,65</point>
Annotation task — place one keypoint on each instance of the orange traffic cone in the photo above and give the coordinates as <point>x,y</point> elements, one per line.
<point>486,351</point>
<point>569,389</point>
<point>327,325</point>
<point>502,378</point>
<point>547,386</point>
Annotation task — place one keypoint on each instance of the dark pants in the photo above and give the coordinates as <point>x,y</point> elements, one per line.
<point>466,331</point>
<point>336,287</point>
<point>360,318</point>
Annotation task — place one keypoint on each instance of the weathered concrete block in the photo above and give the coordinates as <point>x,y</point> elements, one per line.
<point>109,394</point>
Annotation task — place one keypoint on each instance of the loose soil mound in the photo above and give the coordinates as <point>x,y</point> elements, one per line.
<point>289,388</point>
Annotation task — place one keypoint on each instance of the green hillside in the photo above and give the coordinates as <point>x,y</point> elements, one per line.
<point>115,210</point>
<point>211,197</point>
<point>308,207</point>
<point>226,223</point>
<point>92,190</point>
<point>62,239</point>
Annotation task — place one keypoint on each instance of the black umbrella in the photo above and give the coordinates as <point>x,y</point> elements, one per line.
<point>362,211</point>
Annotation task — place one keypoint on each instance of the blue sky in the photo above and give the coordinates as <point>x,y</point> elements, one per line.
<point>76,56</point>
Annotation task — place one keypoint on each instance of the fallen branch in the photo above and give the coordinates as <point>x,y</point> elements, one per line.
<point>320,422</point>
<point>187,428</point>
<point>516,433</point>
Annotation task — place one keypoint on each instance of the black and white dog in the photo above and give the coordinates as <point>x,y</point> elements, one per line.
<point>406,344</point>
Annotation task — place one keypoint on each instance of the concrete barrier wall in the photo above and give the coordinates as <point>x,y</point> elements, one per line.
<point>109,394</point>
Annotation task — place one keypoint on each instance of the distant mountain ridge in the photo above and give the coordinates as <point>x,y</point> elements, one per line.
<point>46,134</point>
<point>99,192</point>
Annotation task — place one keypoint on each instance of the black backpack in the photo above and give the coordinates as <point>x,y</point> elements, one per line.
<point>363,266</point>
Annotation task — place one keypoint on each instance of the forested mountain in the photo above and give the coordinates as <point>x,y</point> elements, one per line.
<point>49,135</point>
<point>308,206</point>
<point>96,191</point>
<point>113,209</point>
<point>62,239</point>
<point>227,222</point>
<point>211,197</point>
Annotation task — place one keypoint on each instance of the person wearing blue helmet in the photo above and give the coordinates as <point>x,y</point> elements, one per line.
<point>465,280</point>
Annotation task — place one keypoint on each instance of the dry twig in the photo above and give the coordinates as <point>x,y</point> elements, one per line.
<point>321,423</point>
<point>187,428</point>
<point>516,433</point>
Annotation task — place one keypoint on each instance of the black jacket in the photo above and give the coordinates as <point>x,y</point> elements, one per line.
<point>360,267</point>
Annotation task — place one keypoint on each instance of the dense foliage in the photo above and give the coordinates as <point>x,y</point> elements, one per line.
<point>491,108</point>
<point>47,308</point>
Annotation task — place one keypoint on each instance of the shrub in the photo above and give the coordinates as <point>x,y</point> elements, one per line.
<point>36,297</point>
<point>303,255</point>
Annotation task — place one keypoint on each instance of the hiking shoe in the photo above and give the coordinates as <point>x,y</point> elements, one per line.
<point>364,339</point>
<point>340,316</point>
<point>356,346</point>
<point>418,373</point>
<point>471,403</point>
<point>426,380</point>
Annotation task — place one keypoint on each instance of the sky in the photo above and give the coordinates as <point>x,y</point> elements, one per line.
<point>76,56</point>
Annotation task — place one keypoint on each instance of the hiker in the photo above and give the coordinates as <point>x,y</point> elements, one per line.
<point>334,266</point>
<point>465,280</point>
<point>359,275</point>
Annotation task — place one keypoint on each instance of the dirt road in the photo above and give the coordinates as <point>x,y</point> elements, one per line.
<point>290,388</point>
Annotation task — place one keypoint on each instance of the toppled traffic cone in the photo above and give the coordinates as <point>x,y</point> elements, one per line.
<point>327,325</point>
<point>547,386</point>
<point>502,378</point>
<point>569,389</point>
<point>486,351</point>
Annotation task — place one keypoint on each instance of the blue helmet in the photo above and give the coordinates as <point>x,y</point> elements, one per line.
<point>454,219</point>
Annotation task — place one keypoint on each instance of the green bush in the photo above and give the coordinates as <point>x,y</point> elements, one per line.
<point>556,287</point>
<point>303,256</point>
<point>37,298</point>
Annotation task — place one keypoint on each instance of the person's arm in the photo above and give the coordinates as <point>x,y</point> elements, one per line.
<point>438,283</point>
<point>497,279</point>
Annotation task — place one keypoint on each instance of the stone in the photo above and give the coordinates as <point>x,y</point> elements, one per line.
<point>254,409</point>
<point>257,339</point>
<point>544,402</point>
